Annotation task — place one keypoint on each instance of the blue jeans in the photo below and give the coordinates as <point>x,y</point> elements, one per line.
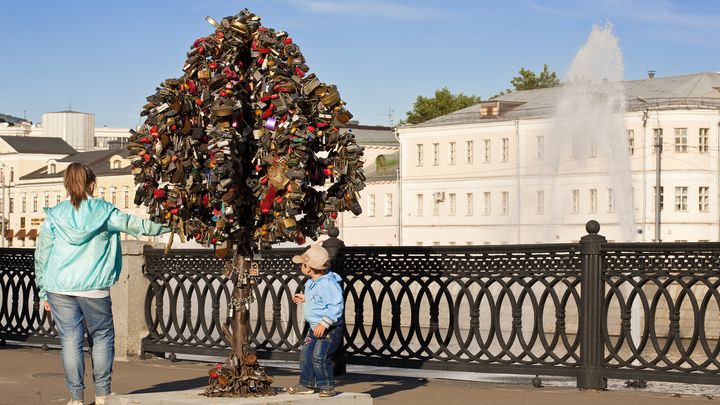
<point>72,316</point>
<point>316,370</point>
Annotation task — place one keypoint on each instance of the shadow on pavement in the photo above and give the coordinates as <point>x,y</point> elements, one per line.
<point>181,385</point>
<point>385,385</point>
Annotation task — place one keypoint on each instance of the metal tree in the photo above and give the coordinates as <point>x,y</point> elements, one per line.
<point>243,151</point>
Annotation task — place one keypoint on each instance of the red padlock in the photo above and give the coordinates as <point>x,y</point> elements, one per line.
<point>266,203</point>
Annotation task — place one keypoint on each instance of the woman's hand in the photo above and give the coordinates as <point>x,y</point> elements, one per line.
<point>298,298</point>
<point>46,305</point>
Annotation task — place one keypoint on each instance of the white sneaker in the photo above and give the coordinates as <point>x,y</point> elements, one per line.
<point>101,400</point>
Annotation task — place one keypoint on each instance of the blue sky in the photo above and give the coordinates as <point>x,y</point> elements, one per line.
<point>106,56</point>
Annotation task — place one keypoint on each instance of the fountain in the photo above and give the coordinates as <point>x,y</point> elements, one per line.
<point>588,142</point>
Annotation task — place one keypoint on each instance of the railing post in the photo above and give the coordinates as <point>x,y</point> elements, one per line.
<point>591,301</point>
<point>335,248</point>
<point>128,296</point>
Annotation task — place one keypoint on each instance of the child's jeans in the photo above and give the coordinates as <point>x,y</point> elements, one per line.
<point>316,370</point>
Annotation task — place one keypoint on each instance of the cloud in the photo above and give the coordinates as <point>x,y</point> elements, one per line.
<point>386,9</point>
<point>671,20</point>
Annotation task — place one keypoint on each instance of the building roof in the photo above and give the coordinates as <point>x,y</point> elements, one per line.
<point>97,160</point>
<point>373,135</point>
<point>701,90</point>
<point>38,144</point>
<point>11,120</point>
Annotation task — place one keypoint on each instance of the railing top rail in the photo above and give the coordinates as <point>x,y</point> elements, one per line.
<point>392,250</point>
<point>662,247</point>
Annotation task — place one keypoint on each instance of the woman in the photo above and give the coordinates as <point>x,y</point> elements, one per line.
<point>78,257</point>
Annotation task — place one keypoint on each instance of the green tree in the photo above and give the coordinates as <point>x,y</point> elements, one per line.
<point>529,80</point>
<point>444,102</point>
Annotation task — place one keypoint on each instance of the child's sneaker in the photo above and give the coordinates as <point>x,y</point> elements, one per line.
<point>298,389</point>
<point>327,392</point>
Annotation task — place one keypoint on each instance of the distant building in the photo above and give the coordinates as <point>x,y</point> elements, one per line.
<point>475,176</point>
<point>378,223</point>
<point>44,188</point>
<point>76,128</point>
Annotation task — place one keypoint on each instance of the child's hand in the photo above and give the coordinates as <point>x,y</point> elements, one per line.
<point>298,298</point>
<point>319,330</point>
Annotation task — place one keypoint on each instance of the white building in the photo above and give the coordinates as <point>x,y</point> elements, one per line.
<point>75,128</point>
<point>378,224</point>
<point>477,176</point>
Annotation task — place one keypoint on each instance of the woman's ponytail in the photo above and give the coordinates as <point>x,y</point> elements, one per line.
<point>79,181</point>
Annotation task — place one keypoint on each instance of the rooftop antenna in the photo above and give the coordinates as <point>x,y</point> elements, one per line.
<point>70,106</point>
<point>390,112</point>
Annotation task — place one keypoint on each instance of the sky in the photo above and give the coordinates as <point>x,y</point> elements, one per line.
<point>106,56</point>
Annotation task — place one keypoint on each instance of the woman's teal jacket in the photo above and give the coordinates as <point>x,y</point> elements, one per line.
<point>79,249</point>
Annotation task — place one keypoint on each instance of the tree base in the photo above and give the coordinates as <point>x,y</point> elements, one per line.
<point>239,377</point>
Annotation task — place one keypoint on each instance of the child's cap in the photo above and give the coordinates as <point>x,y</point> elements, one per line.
<point>316,257</point>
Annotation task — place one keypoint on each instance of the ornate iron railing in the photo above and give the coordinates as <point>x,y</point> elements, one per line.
<point>592,310</point>
<point>21,318</point>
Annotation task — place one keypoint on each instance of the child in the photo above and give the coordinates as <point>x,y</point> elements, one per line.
<point>324,312</point>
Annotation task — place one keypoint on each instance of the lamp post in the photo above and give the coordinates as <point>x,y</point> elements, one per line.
<point>2,197</point>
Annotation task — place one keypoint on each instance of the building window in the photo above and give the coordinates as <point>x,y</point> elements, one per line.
<point>12,175</point>
<point>487,201</point>
<point>436,207</point>
<point>388,204</point>
<point>126,196</point>
<point>11,205</point>
<point>420,156</point>
<point>681,140</point>
<point>436,154</point>
<point>419,205</point>
<point>35,203</point>
<point>681,194</point>
<point>451,154</point>
<point>703,140</point>
<point>593,200</point>
<point>23,204</point>
<point>540,204</point>
<point>631,141</point>
<point>113,196</point>
<point>611,200</point>
<point>487,150</point>
<point>505,203</point>
<point>371,205</point>
<point>436,243</point>
<point>57,199</point>
<point>101,190</point>
<point>662,197</point>
<point>469,152</point>
<point>575,208</point>
<point>704,199</point>
<point>469,204</point>
<point>52,169</point>
<point>116,164</point>
<point>539,147</point>
<point>47,200</point>
<point>657,138</point>
<point>505,149</point>
<point>453,203</point>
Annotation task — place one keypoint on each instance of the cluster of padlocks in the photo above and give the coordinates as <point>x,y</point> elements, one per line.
<point>246,146</point>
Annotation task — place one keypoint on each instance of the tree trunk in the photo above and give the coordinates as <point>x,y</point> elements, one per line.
<point>241,320</point>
